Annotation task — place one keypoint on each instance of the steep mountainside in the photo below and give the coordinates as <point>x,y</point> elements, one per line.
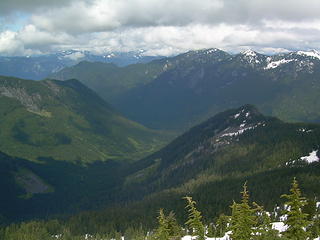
<point>238,142</point>
<point>212,160</point>
<point>66,121</point>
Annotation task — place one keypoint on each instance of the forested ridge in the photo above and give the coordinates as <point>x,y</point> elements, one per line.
<point>297,216</point>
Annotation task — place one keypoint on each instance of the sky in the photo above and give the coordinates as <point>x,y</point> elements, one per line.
<point>160,27</point>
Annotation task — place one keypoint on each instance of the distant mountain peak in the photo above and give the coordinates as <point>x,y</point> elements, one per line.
<point>209,50</point>
<point>252,57</point>
<point>249,53</point>
<point>312,53</point>
<point>234,122</point>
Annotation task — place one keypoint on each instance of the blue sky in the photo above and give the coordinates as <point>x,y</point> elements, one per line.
<point>15,22</point>
<point>161,27</point>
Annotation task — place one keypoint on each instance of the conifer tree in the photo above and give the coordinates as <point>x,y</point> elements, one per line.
<point>194,219</point>
<point>243,219</point>
<point>168,227</point>
<point>175,231</point>
<point>296,220</point>
<point>162,232</point>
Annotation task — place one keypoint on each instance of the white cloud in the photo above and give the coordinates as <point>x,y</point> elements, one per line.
<point>30,40</point>
<point>9,43</point>
<point>75,56</point>
<point>106,15</point>
<point>163,27</point>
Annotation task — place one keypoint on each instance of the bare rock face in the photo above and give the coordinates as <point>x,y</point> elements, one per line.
<point>32,102</point>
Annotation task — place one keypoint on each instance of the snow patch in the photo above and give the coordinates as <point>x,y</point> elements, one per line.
<point>251,56</point>
<point>280,226</point>
<point>249,53</point>
<point>241,130</point>
<point>237,115</point>
<point>304,130</point>
<point>211,51</point>
<point>312,53</point>
<point>110,55</point>
<point>276,64</point>
<point>311,158</point>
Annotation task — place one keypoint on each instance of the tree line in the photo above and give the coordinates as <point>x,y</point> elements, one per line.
<point>247,221</point>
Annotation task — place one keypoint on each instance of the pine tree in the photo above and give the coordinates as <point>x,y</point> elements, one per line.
<point>194,219</point>
<point>243,219</point>
<point>162,232</point>
<point>296,220</point>
<point>168,227</point>
<point>175,231</point>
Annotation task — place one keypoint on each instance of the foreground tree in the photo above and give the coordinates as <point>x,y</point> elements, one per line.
<point>168,227</point>
<point>194,219</point>
<point>243,219</point>
<point>296,220</point>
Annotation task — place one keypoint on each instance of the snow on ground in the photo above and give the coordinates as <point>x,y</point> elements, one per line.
<point>237,115</point>
<point>241,130</point>
<point>211,50</point>
<point>313,54</point>
<point>304,130</point>
<point>276,64</point>
<point>188,237</point>
<point>251,56</point>
<point>311,158</point>
<point>249,53</point>
<point>280,226</point>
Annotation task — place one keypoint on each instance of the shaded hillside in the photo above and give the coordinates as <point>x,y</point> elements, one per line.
<point>212,161</point>
<point>178,92</point>
<point>284,86</point>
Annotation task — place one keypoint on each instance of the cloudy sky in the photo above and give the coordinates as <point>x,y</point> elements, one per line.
<point>161,27</point>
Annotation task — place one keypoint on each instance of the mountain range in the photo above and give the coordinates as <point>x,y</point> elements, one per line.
<point>178,92</point>
<point>68,146</point>
<point>38,67</point>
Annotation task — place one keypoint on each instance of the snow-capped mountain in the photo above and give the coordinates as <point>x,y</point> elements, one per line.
<point>197,84</point>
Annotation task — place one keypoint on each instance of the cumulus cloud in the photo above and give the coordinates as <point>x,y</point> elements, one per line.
<point>30,40</point>
<point>162,27</point>
<point>106,15</point>
<point>9,43</point>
